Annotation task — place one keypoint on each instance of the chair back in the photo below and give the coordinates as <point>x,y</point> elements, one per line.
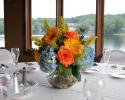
<point>116,57</point>
<point>5,56</point>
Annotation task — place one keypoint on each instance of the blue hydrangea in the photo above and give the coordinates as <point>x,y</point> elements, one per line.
<point>89,57</point>
<point>86,61</point>
<point>47,59</point>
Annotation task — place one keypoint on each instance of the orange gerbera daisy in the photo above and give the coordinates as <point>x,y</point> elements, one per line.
<point>71,34</point>
<point>51,35</point>
<point>74,45</point>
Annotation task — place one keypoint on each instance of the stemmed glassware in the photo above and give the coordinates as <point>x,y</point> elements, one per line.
<point>15,54</point>
<point>93,89</point>
<point>106,58</point>
<point>16,87</point>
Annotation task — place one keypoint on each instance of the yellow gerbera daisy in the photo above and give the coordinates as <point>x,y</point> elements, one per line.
<point>74,44</point>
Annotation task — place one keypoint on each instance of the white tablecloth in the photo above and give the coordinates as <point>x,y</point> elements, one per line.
<point>114,87</point>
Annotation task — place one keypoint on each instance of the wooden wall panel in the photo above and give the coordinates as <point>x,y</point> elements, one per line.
<point>14,30</point>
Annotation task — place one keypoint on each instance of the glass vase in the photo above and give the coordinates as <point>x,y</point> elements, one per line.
<point>60,81</point>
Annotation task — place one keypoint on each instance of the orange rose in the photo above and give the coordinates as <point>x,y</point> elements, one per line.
<point>65,56</point>
<point>71,34</point>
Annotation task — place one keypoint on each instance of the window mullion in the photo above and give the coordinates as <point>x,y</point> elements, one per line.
<point>99,28</point>
<point>59,10</point>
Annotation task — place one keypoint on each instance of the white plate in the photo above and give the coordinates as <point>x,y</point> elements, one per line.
<point>111,98</point>
<point>92,70</point>
<point>29,84</point>
<point>117,75</point>
<point>29,69</point>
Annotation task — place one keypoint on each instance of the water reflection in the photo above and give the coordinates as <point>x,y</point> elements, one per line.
<point>115,42</point>
<point>2,41</point>
<point>110,41</point>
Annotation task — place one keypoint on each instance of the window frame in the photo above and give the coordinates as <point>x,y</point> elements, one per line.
<point>99,29</point>
<point>28,17</point>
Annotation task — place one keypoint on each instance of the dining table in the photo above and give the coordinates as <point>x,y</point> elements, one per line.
<point>114,88</point>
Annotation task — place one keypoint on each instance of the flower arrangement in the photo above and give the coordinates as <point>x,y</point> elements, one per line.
<point>63,53</point>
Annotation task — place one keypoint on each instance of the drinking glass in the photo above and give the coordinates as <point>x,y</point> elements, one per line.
<point>15,55</point>
<point>18,89</point>
<point>5,86</point>
<point>93,89</point>
<point>106,58</point>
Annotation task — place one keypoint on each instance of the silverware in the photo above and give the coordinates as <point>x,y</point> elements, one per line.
<point>95,64</point>
<point>114,66</point>
<point>3,66</point>
<point>28,63</point>
<point>123,68</point>
<point>24,76</point>
<point>16,86</point>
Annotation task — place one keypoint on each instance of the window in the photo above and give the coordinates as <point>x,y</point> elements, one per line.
<point>42,9</point>
<point>114,24</point>
<point>80,15</point>
<point>2,41</point>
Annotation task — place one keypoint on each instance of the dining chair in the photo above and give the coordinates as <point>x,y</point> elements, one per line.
<point>116,57</point>
<point>5,56</point>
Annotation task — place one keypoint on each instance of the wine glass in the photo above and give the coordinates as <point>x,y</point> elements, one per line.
<point>106,58</point>
<point>93,88</point>
<point>15,55</point>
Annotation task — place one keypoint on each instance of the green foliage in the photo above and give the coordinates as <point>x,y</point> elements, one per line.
<point>76,72</point>
<point>62,71</point>
<point>80,29</point>
<point>37,41</point>
<point>114,23</point>
<point>82,37</point>
<point>54,45</point>
<point>62,25</point>
<point>60,39</point>
<point>46,26</point>
<point>89,41</point>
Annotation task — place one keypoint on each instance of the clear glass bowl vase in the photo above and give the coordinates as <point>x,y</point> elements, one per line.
<point>61,82</point>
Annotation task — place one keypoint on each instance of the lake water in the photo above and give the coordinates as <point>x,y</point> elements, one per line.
<point>115,42</point>
<point>110,41</point>
<point>2,43</point>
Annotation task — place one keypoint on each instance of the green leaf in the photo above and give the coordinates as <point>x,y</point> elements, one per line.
<point>82,37</point>
<point>62,71</point>
<point>54,45</point>
<point>37,41</point>
<point>62,25</point>
<point>76,73</point>
<point>46,25</point>
<point>60,39</point>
